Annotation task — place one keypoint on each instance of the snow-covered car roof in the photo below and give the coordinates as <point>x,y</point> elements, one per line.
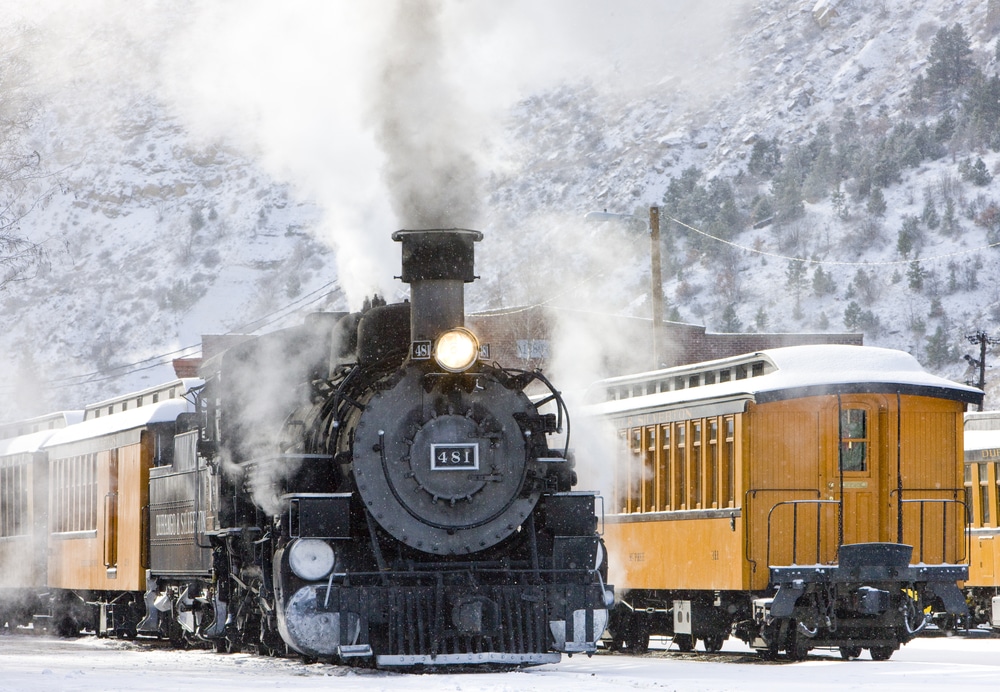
<point>780,373</point>
<point>162,412</point>
<point>29,443</point>
<point>978,440</point>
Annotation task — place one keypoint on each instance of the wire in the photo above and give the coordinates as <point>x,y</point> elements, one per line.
<point>829,262</point>
<point>281,313</point>
<point>804,260</point>
<point>164,358</point>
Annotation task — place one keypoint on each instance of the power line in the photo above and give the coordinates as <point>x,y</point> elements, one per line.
<point>165,358</point>
<point>804,260</point>
<point>830,262</point>
<point>298,304</point>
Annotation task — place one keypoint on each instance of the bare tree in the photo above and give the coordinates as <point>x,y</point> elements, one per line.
<point>19,258</point>
<point>20,169</point>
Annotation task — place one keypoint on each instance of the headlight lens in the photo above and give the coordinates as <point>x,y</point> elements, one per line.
<point>311,558</point>
<point>456,350</point>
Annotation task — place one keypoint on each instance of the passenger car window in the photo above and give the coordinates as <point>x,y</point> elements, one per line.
<point>853,439</point>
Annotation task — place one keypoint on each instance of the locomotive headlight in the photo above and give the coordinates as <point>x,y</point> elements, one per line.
<point>456,350</point>
<point>311,558</point>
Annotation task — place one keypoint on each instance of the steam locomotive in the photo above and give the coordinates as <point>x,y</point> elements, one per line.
<point>365,487</point>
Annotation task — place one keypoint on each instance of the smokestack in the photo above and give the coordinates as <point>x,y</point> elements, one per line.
<point>437,263</point>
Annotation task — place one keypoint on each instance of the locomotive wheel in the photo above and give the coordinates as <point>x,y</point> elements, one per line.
<point>637,639</point>
<point>126,632</point>
<point>684,642</point>
<point>798,650</point>
<point>223,646</point>
<point>770,653</point>
<point>849,653</point>
<point>713,642</point>
<point>881,653</point>
<point>67,627</point>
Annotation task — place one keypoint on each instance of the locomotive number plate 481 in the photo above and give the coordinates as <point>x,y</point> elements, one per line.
<point>454,457</point>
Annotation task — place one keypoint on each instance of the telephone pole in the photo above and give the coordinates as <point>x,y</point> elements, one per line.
<point>655,270</point>
<point>984,340</point>
<point>656,288</point>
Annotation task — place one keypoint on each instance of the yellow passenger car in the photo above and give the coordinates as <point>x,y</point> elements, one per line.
<point>799,497</point>
<point>982,483</point>
<point>98,505</point>
<point>24,513</point>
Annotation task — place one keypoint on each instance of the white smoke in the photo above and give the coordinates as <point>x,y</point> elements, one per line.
<point>386,114</point>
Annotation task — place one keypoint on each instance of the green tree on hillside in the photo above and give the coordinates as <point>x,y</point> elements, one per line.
<point>950,60</point>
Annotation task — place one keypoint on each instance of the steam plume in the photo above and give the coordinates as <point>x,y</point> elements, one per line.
<point>429,171</point>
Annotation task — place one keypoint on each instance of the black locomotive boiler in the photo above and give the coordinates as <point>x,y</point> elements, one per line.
<point>368,486</point>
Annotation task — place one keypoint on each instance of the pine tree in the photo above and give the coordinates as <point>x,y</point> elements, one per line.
<point>982,110</point>
<point>915,274</point>
<point>788,202</point>
<point>950,60</point>
<point>980,175</point>
<point>852,314</point>
<point>839,201</point>
<point>949,222</point>
<point>731,323</point>
<point>945,128</point>
<point>876,203</point>
<point>823,282</point>
<point>938,351</point>
<point>929,215</point>
<point>765,158</point>
<point>904,242</point>
<point>848,145</point>
<point>952,276</point>
<point>795,275</point>
<point>760,319</point>
<point>866,286</point>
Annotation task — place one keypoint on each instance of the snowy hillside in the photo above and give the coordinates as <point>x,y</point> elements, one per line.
<point>214,169</point>
<point>788,74</point>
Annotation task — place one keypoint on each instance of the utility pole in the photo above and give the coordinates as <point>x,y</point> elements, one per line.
<point>655,269</point>
<point>656,278</point>
<point>984,340</point>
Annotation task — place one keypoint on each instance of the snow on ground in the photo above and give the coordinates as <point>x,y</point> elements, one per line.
<point>929,663</point>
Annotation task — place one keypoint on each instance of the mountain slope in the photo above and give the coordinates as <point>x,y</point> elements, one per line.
<point>158,227</point>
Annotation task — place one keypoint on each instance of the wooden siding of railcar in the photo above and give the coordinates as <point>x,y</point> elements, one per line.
<point>782,453</point>
<point>23,556</point>
<point>78,562</point>
<point>698,549</point>
<point>788,451</point>
<point>984,558</point>
<point>932,432</point>
<point>804,465</point>
<point>671,552</point>
<point>984,529</point>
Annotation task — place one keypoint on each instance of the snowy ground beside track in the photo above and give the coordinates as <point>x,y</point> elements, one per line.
<point>37,664</point>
